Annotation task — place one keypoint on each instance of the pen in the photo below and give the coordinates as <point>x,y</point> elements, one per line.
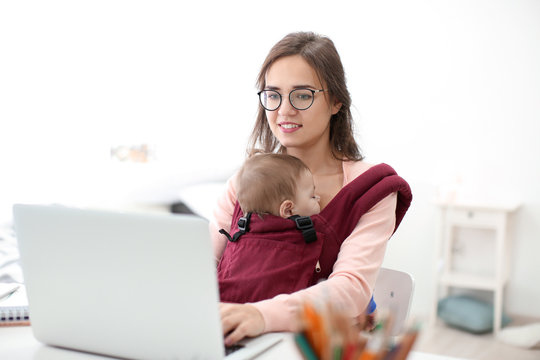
<point>9,293</point>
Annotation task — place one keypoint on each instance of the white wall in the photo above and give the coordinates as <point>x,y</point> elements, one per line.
<point>443,90</point>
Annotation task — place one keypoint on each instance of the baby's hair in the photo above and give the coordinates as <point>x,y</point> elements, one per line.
<point>266,180</point>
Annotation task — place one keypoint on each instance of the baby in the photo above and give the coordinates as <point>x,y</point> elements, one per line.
<point>277,184</point>
<point>280,185</point>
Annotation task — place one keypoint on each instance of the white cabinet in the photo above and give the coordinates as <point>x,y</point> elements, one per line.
<point>494,219</point>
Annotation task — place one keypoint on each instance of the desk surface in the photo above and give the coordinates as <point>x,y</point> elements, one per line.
<point>18,342</point>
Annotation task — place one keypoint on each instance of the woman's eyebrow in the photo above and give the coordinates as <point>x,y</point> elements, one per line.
<point>303,86</point>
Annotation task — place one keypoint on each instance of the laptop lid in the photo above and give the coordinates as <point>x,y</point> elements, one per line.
<point>140,286</point>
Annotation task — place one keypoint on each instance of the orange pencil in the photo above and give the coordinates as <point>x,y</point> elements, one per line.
<point>315,331</point>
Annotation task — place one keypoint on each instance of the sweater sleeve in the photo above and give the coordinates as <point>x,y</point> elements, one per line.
<point>351,282</point>
<point>222,217</point>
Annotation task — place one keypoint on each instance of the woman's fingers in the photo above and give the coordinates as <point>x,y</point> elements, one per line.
<point>235,336</point>
<point>229,321</point>
<point>239,321</point>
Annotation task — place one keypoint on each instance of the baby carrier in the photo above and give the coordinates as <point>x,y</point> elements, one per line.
<point>270,256</point>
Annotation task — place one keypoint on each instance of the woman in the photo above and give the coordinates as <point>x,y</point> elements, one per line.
<point>305,112</point>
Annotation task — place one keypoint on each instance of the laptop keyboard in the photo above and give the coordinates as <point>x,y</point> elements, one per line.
<point>232,348</point>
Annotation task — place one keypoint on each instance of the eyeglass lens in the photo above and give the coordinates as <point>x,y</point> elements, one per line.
<point>301,99</point>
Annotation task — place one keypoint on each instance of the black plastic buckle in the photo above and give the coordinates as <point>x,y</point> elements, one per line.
<point>243,223</point>
<point>305,225</point>
<point>303,222</point>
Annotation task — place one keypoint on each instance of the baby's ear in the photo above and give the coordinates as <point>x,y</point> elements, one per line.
<point>286,209</point>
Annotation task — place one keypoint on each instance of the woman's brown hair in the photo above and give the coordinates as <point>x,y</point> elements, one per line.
<point>321,54</point>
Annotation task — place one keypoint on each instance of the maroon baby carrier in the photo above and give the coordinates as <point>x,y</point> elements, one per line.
<point>270,256</point>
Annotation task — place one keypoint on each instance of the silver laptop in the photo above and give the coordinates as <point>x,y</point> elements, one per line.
<point>130,285</point>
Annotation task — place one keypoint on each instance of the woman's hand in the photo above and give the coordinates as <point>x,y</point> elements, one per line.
<point>239,321</point>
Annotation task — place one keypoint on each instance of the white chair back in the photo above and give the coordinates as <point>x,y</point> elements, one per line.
<point>393,291</point>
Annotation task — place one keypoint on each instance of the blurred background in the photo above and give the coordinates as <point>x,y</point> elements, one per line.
<point>129,103</point>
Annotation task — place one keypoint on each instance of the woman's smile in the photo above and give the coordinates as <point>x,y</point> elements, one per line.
<point>289,127</point>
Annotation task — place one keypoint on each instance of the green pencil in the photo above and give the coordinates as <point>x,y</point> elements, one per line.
<point>304,347</point>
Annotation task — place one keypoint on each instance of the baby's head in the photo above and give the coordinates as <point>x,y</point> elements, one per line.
<point>276,184</point>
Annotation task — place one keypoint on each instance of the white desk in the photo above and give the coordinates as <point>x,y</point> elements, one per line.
<point>18,343</point>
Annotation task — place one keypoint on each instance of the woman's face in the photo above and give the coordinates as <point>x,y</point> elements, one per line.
<point>301,129</point>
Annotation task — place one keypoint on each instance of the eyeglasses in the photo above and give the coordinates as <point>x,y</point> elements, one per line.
<point>300,99</point>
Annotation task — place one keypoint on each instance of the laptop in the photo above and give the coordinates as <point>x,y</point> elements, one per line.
<point>128,285</point>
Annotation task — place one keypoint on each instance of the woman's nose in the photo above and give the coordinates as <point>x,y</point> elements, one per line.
<point>286,108</point>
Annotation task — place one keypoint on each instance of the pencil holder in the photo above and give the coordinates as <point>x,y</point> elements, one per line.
<point>328,334</point>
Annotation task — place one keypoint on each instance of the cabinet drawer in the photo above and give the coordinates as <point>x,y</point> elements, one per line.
<point>474,217</point>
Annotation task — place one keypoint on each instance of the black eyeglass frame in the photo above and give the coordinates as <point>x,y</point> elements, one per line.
<point>313,92</point>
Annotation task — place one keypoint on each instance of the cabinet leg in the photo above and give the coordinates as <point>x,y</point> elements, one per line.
<point>433,315</point>
<point>497,310</point>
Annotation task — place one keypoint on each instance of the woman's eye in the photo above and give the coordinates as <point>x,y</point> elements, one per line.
<point>303,96</point>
